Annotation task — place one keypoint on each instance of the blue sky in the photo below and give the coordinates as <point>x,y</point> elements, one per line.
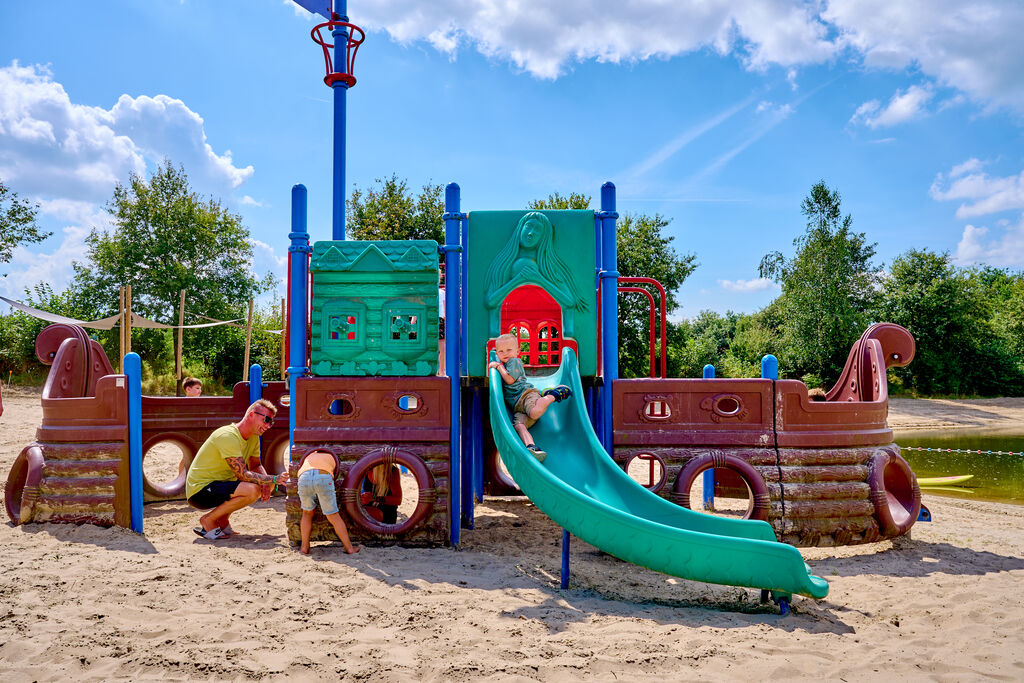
<point>716,114</point>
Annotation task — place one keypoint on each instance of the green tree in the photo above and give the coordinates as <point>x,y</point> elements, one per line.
<point>556,201</point>
<point>949,312</point>
<point>1010,317</point>
<point>390,212</point>
<point>701,341</point>
<point>18,331</point>
<point>17,223</point>
<point>643,251</point>
<point>828,286</point>
<point>166,238</point>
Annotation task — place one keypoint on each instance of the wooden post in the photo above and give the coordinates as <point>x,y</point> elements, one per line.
<point>128,321</point>
<point>248,340</point>
<point>120,330</point>
<point>284,331</point>
<point>178,368</point>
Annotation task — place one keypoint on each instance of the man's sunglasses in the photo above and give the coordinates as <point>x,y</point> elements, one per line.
<point>266,418</point>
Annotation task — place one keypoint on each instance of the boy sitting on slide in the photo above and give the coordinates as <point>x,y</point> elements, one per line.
<point>522,398</point>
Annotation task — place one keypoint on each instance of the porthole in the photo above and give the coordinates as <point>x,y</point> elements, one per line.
<point>341,406</point>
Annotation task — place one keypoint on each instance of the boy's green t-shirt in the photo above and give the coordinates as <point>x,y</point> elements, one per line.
<point>210,462</point>
<point>512,392</point>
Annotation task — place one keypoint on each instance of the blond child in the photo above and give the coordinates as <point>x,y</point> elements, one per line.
<point>316,483</point>
<point>522,398</point>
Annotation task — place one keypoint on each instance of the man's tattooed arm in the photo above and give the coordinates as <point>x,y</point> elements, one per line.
<point>237,466</point>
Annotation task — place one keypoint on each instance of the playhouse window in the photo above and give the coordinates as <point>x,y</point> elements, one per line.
<point>539,343</point>
<point>341,327</point>
<point>404,327</point>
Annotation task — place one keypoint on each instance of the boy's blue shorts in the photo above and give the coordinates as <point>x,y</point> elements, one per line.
<point>315,485</point>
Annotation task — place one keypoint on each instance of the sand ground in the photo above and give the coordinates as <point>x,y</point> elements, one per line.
<point>85,603</point>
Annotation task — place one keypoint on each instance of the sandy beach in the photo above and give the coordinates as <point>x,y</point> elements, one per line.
<point>88,603</point>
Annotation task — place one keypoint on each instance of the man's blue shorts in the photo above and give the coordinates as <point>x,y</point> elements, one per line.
<point>315,485</point>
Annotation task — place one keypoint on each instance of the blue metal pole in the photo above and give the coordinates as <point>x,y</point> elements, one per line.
<point>133,371</point>
<point>256,387</point>
<point>255,383</point>
<point>609,309</point>
<point>467,466</point>
<point>452,342</point>
<point>477,443</point>
<point>590,391</point>
<point>298,255</point>
<point>709,475</point>
<point>340,88</point>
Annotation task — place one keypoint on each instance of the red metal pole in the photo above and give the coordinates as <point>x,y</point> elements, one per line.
<point>650,298</point>
<point>664,299</point>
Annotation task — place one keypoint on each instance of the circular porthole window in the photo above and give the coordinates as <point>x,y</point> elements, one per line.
<point>648,470</point>
<point>341,406</point>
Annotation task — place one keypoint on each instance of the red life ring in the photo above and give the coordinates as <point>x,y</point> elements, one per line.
<point>388,455</point>
<point>22,488</point>
<point>761,502</point>
<point>894,492</point>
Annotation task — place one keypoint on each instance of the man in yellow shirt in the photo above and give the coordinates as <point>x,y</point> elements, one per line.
<point>227,475</point>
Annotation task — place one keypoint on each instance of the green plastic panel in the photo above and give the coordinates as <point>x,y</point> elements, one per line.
<point>556,252</point>
<point>374,308</point>
<point>585,492</point>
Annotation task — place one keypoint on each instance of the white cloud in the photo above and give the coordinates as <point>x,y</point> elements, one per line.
<point>27,269</point>
<point>51,147</point>
<point>982,194</point>
<point>68,157</point>
<point>263,251</point>
<point>162,126</point>
<point>542,37</point>
<point>246,200</point>
<point>974,47</point>
<point>1003,250</point>
<point>904,106</point>
<point>757,285</point>
<point>966,167</point>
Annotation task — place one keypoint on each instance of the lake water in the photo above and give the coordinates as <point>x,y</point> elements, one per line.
<point>998,477</point>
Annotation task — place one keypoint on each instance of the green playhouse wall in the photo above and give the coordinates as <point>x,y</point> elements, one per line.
<point>572,240</point>
<point>374,308</point>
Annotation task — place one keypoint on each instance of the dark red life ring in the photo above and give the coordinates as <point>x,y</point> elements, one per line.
<point>761,502</point>
<point>894,492</point>
<point>388,455</point>
<point>22,489</point>
<point>270,462</point>
<point>175,487</point>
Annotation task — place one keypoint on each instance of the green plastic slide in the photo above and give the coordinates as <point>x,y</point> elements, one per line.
<point>585,492</point>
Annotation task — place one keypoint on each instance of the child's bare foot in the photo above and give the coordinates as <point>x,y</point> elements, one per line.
<point>355,549</point>
<point>304,550</point>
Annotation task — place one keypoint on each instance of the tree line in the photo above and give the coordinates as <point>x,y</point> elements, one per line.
<point>968,321</point>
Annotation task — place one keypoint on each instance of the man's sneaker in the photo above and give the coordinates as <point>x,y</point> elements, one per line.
<point>214,534</point>
<point>537,453</point>
<point>561,392</point>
